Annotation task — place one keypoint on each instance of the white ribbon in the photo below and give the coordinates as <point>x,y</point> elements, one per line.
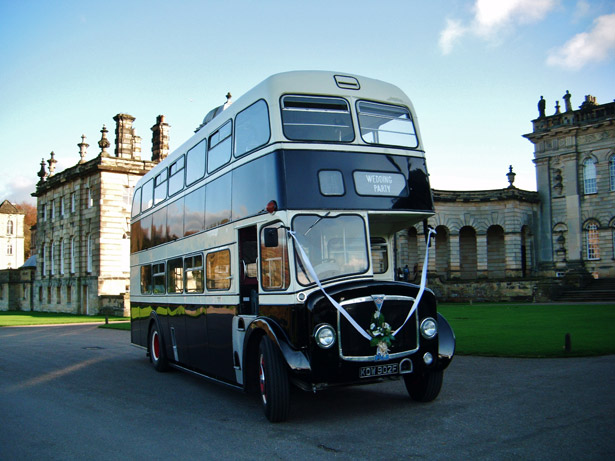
<point>344,312</point>
<point>312,272</point>
<point>419,295</point>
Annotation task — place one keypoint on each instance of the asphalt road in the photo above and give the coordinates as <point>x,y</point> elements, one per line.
<point>79,392</point>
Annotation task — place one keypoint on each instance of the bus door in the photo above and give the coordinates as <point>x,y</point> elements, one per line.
<point>248,281</point>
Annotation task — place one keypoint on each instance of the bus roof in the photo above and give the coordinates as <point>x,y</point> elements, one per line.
<point>318,82</point>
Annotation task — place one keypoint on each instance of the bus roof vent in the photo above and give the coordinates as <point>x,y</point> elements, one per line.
<point>215,111</point>
<point>347,83</point>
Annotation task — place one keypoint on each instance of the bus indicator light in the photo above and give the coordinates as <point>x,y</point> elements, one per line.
<point>271,207</point>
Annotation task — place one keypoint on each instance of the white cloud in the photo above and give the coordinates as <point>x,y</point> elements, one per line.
<point>490,17</point>
<point>587,47</point>
<point>18,189</point>
<point>450,35</point>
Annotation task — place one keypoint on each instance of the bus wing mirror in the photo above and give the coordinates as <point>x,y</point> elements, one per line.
<point>271,237</point>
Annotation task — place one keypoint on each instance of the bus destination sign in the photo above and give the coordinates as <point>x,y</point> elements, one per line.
<point>378,183</point>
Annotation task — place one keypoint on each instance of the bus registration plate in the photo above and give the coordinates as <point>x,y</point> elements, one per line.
<point>379,370</point>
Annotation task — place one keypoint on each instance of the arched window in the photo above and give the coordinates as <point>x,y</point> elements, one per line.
<point>612,172</point>
<point>9,249</point>
<point>9,227</point>
<point>496,253</point>
<point>467,252</point>
<point>593,241</point>
<point>589,176</point>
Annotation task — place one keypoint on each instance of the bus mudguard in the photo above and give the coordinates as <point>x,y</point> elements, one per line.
<point>295,359</point>
<point>446,343</point>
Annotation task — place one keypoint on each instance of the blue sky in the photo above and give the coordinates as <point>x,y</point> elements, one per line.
<point>474,69</point>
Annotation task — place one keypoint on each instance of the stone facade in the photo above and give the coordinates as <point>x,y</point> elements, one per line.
<point>11,236</point>
<point>495,245</point>
<point>83,227</point>
<point>574,153</point>
<point>16,289</point>
<point>483,239</point>
<point>510,244</point>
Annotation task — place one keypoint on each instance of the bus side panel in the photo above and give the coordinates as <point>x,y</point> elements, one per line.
<point>220,337</point>
<point>139,320</point>
<point>196,335</point>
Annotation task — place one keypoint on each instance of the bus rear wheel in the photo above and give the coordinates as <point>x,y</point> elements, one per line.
<point>274,388</point>
<point>157,355</point>
<point>424,387</point>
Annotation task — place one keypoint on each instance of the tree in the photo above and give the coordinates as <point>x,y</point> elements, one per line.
<point>28,222</point>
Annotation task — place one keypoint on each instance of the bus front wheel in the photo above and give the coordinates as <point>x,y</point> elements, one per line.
<point>273,381</point>
<point>157,353</point>
<point>424,387</point>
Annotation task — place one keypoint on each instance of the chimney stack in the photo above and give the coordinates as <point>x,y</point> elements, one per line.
<point>124,134</point>
<point>160,139</point>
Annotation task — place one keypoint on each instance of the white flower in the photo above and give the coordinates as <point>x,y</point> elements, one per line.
<point>372,326</point>
<point>386,326</point>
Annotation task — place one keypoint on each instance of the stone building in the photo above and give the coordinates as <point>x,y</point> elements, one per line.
<point>11,236</point>
<point>484,246</point>
<point>83,225</point>
<point>492,245</point>
<point>15,276</point>
<point>509,244</point>
<point>574,153</point>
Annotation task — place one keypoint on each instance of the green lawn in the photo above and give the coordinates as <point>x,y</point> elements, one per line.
<point>15,318</point>
<point>526,330</point>
<point>507,330</point>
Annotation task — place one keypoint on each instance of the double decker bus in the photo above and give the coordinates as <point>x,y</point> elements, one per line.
<point>262,249</point>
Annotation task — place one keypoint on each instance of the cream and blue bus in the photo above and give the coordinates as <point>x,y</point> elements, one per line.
<point>262,249</point>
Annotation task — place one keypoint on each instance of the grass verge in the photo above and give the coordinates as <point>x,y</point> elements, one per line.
<point>18,318</point>
<point>504,330</point>
<point>527,330</point>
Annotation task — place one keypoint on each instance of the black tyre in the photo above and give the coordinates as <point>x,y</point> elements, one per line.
<point>424,387</point>
<point>157,354</point>
<point>273,381</point>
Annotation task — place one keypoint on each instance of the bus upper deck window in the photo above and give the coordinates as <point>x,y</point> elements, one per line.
<point>386,124</point>
<point>252,128</point>
<point>160,187</point>
<point>317,118</point>
<point>195,162</point>
<point>219,149</point>
<point>147,195</point>
<point>176,176</point>
<point>136,203</point>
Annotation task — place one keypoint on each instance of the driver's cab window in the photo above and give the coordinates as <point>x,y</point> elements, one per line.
<point>275,273</point>
<point>380,258</point>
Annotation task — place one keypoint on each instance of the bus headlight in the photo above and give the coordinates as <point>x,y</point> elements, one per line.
<point>324,335</point>
<point>429,328</point>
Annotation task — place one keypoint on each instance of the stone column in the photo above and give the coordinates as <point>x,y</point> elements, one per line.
<point>481,255</point>
<point>512,244</point>
<point>454,255</point>
<point>544,241</point>
<point>572,189</point>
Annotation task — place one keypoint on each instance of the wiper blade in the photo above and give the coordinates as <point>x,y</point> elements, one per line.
<point>316,222</point>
